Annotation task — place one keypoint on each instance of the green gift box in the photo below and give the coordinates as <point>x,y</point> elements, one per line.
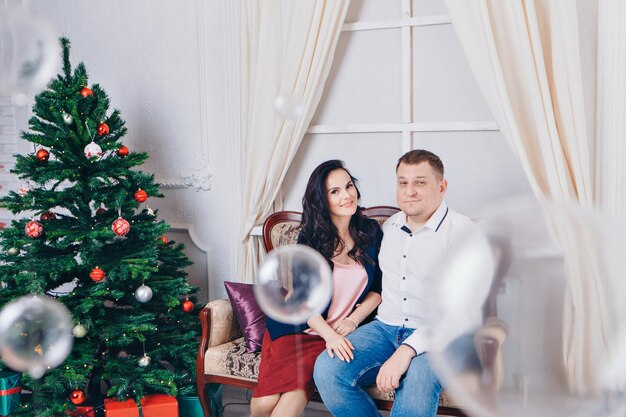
<point>10,391</point>
<point>190,406</point>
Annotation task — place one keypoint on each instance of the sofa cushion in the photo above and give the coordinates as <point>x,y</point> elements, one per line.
<point>248,314</point>
<point>232,359</point>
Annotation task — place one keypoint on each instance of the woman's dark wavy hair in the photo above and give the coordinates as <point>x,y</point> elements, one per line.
<point>317,229</point>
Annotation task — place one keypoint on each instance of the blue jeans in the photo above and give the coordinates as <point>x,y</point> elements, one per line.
<point>342,384</point>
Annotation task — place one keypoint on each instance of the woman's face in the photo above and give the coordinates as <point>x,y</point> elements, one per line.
<point>341,194</point>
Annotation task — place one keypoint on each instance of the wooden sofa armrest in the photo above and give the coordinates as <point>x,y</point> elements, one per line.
<point>488,342</point>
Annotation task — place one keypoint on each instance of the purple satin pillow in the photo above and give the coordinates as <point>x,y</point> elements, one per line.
<point>248,314</point>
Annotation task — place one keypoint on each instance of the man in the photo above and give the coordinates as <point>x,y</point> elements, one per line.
<point>391,351</point>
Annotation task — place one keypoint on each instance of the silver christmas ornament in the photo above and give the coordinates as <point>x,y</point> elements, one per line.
<point>144,361</point>
<point>67,118</point>
<point>143,294</point>
<point>13,251</point>
<point>79,331</point>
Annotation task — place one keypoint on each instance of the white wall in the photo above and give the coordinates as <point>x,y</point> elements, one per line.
<point>164,65</point>
<point>172,68</point>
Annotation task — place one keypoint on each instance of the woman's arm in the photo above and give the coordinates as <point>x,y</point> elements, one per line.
<point>363,310</point>
<point>335,343</point>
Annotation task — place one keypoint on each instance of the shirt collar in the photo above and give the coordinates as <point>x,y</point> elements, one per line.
<point>433,223</point>
<point>437,218</point>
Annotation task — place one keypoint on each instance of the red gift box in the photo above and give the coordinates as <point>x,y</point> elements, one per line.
<point>114,408</point>
<point>159,405</point>
<point>81,411</point>
<point>155,405</point>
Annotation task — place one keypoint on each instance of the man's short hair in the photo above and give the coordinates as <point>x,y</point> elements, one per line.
<point>418,156</point>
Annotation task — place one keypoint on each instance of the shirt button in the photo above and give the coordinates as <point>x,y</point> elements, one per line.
<point>404,298</point>
<point>404,256</point>
<point>410,234</point>
<point>403,277</point>
<point>406,319</point>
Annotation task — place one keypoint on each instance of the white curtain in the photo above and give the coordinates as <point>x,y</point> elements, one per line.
<point>287,48</point>
<point>525,56</point>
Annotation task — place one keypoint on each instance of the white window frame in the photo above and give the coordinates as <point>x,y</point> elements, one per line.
<point>407,127</point>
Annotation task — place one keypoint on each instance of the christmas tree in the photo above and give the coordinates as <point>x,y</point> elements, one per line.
<point>86,230</point>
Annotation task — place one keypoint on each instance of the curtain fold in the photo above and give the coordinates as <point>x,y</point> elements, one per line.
<point>287,48</point>
<point>525,56</point>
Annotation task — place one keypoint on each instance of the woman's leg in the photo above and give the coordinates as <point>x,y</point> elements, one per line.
<point>291,404</point>
<point>263,406</point>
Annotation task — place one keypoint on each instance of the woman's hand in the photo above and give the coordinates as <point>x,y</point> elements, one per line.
<point>339,345</point>
<point>345,327</point>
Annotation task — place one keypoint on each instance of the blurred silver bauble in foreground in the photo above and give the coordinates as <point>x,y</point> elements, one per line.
<point>35,334</point>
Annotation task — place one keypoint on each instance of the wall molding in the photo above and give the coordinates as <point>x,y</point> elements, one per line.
<point>232,98</point>
<point>611,99</point>
<point>191,231</point>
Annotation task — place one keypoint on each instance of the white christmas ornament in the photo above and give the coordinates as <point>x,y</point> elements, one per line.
<point>93,150</point>
<point>143,294</point>
<point>144,361</point>
<point>23,190</point>
<point>67,118</point>
<point>79,331</point>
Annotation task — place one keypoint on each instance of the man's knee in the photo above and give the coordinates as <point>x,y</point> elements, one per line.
<point>324,372</point>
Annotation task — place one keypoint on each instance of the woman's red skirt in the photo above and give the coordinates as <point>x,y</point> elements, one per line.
<point>287,364</point>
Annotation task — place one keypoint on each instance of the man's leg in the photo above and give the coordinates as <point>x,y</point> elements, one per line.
<point>339,383</point>
<point>419,390</point>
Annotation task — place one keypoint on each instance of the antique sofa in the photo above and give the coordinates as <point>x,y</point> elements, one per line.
<point>222,357</point>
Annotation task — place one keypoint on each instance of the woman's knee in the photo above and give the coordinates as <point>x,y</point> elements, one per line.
<point>263,406</point>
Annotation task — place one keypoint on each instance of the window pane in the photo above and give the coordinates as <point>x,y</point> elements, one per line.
<point>428,7</point>
<point>368,10</point>
<point>444,88</point>
<point>364,84</point>
<point>370,157</point>
<point>480,167</point>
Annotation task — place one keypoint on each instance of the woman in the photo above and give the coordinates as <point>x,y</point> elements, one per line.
<point>333,225</point>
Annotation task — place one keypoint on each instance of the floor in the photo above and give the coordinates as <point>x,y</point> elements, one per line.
<point>236,403</point>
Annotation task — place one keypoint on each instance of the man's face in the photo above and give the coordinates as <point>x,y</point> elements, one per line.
<point>419,191</point>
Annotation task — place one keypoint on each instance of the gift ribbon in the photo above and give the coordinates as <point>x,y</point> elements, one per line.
<point>10,391</point>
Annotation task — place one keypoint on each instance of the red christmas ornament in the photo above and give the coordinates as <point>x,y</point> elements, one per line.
<point>164,239</point>
<point>187,306</point>
<point>77,396</point>
<point>122,151</point>
<point>100,211</point>
<point>141,196</point>
<point>86,91</point>
<point>42,155</point>
<point>120,227</point>
<point>103,129</point>
<point>47,215</point>
<point>97,274</point>
<point>33,229</point>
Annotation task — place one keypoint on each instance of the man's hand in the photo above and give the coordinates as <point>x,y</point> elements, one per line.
<point>392,370</point>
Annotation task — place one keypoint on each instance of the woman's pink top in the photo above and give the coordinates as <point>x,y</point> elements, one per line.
<point>349,281</point>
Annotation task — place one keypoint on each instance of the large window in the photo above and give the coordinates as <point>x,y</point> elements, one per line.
<point>400,81</point>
